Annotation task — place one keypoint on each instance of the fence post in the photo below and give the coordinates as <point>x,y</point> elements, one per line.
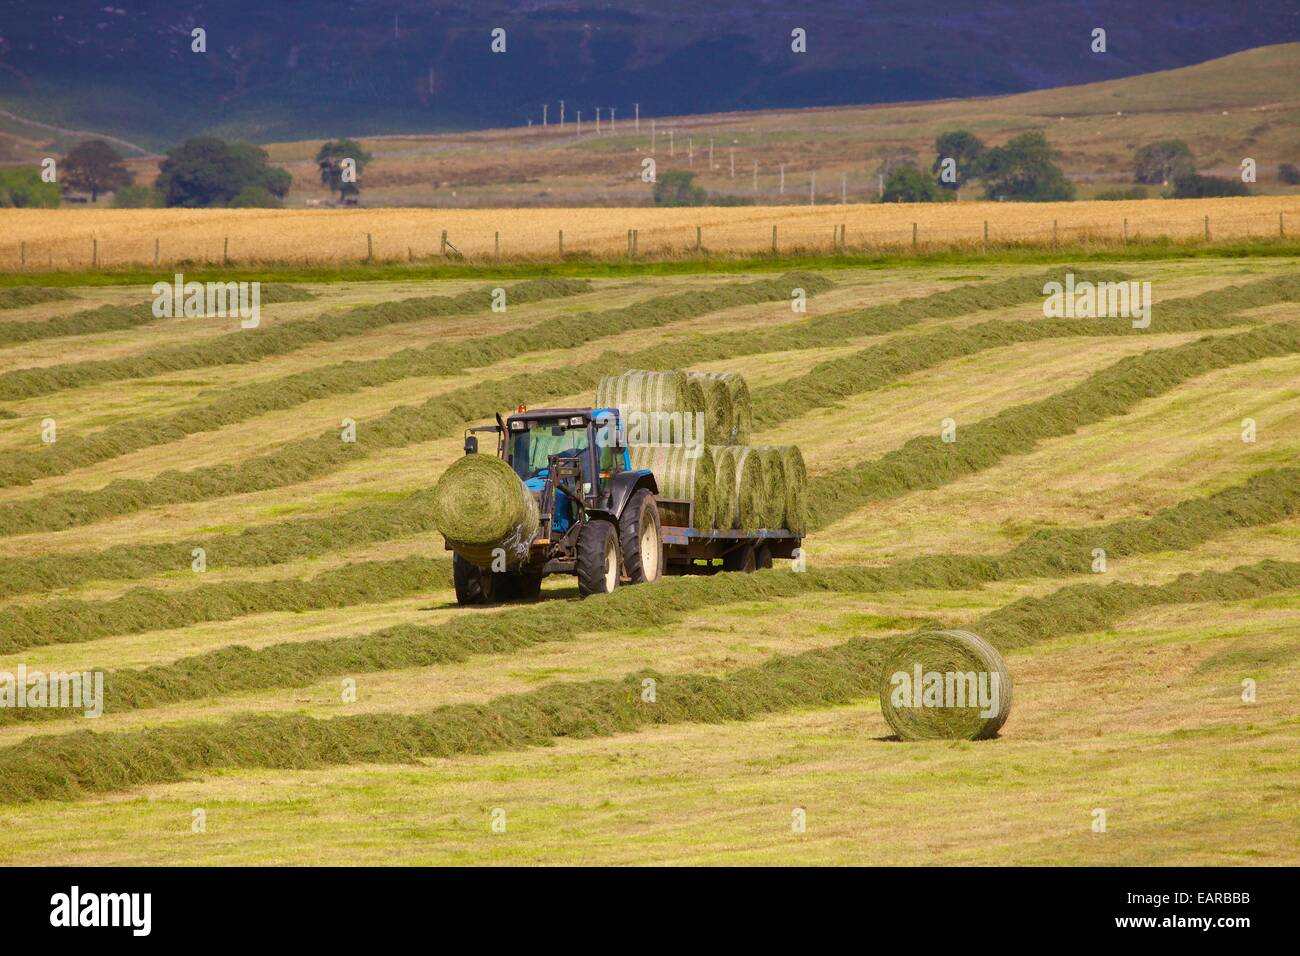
<point>636,235</point>
<point>1281,232</point>
<point>1126,231</point>
<point>561,243</point>
<point>157,250</point>
<point>23,254</point>
<point>773,239</point>
<point>697,238</point>
<point>913,235</point>
<point>370,248</point>
<point>496,243</point>
<point>94,253</point>
<point>629,243</point>
<point>225,252</point>
<point>1207,228</point>
<point>986,232</point>
<point>442,249</point>
<point>844,241</point>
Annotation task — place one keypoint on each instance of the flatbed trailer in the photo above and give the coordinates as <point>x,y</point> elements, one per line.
<point>685,545</point>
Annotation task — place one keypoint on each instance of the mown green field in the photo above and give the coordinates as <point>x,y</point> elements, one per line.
<point>228,690</point>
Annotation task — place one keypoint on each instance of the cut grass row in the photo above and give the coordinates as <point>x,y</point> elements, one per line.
<point>258,398</point>
<point>24,295</point>
<point>1265,499</point>
<point>309,458</point>
<point>929,462</point>
<point>874,367</point>
<point>258,546</point>
<point>250,345</point>
<point>72,765</point>
<point>151,609</point>
<point>115,318</point>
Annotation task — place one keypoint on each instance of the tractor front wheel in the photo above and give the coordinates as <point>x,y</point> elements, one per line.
<point>598,558</point>
<point>476,586</point>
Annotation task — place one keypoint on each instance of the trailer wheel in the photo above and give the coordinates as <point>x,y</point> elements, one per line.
<point>641,539</point>
<point>763,557</point>
<point>741,559</point>
<point>598,558</point>
<point>474,585</point>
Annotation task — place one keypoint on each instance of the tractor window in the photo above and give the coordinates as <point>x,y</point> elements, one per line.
<point>532,448</point>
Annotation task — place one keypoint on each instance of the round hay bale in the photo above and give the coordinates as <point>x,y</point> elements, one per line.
<point>773,506</point>
<point>749,489</point>
<point>681,476</point>
<point>653,405</point>
<point>724,479</point>
<point>945,685</point>
<point>742,408</point>
<point>796,488</point>
<point>480,505</point>
<point>719,424</point>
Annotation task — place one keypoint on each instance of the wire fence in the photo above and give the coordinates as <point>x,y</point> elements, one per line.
<point>322,238</point>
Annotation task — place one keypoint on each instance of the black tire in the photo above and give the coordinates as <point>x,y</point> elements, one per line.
<point>641,516</point>
<point>526,585</point>
<point>741,559</point>
<point>597,548</point>
<point>476,586</point>
<point>763,557</point>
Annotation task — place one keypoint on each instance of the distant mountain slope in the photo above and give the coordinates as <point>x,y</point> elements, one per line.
<point>277,71</point>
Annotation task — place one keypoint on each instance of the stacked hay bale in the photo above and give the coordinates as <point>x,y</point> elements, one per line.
<point>481,507</point>
<point>748,489</point>
<point>683,474</point>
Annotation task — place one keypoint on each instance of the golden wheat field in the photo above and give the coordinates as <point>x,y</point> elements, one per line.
<point>77,238</point>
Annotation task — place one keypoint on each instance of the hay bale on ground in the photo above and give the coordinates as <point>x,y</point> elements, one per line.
<point>480,505</point>
<point>944,685</point>
<point>742,408</point>
<point>682,477</point>
<point>719,416</point>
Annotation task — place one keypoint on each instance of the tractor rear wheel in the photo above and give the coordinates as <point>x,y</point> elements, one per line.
<point>641,538</point>
<point>598,558</point>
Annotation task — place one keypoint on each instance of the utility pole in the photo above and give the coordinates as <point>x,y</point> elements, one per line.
<point>597,120</point>
<point>690,150</point>
<point>611,119</point>
<point>544,107</point>
<point>637,107</point>
<point>579,122</point>
<point>561,115</point>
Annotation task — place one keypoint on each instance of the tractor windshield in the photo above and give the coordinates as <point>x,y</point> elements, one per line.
<point>532,446</point>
